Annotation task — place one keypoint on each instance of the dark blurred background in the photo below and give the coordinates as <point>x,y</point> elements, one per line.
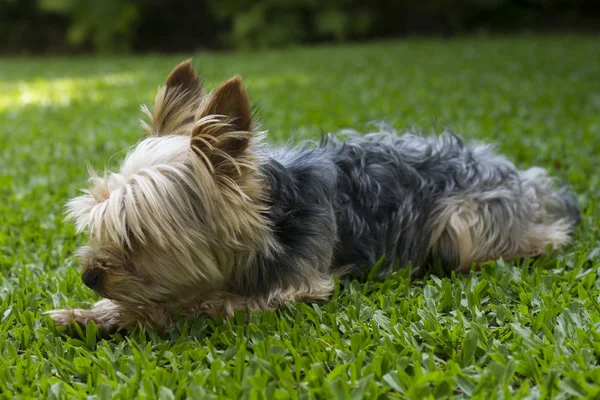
<point>119,26</point>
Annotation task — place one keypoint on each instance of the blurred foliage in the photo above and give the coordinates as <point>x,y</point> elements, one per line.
<point>272,23</point>
<point>108,24</point>
<point>25,27</point>
<point>183,25</point>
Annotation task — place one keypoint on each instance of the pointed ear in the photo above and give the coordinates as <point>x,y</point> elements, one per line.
<point>176,102</point>
<point>223,129</point>
<point>231,101</point>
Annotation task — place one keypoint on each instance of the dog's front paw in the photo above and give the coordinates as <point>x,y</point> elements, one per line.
<point>105,314</point>
<point>63,317</point>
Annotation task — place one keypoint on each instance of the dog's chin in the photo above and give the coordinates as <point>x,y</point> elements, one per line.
<point>102,293</point>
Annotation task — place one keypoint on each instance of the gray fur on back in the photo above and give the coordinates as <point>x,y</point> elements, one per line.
<point>385,194</point>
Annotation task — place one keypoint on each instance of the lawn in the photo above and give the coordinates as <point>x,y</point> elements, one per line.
<point>524,329</point>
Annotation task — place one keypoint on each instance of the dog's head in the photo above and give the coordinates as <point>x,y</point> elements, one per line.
<point>187,205</point>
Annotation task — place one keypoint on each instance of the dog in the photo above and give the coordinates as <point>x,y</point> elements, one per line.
<point>203,217</point>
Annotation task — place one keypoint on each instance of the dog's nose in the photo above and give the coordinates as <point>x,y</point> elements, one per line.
<point>92,279</point>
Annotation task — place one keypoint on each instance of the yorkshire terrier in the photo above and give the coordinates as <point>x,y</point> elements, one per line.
<point>204,218</point>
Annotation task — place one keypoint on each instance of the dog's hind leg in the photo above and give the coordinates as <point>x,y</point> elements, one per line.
<point>551,214</point>
<point>475,228</point>
<point>507,222</point>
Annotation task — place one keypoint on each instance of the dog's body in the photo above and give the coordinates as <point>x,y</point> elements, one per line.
<point>203,219</point>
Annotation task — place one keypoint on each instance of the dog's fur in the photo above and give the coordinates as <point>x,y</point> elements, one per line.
<point>202,217</point>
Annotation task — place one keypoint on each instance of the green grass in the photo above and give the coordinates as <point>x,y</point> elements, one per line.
<point>528,329</point>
